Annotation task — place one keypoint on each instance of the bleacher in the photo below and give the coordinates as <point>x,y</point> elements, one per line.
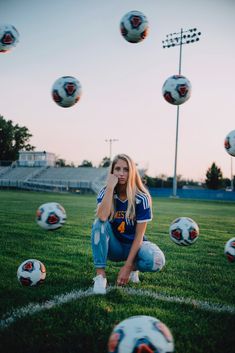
<point>65,179</point>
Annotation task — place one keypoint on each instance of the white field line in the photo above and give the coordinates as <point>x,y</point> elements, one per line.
<point>58,300</point>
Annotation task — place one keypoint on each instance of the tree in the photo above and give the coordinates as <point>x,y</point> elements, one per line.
<point>214,177</point>
<point>60,162</point>
<point>105,162</point>
<point>13,138</point>
<point>86,163</point>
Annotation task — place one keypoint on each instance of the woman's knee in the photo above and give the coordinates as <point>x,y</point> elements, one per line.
<point>150,258</point>
<point>99,230</point>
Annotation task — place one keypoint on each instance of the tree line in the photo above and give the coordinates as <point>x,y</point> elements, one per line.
<point>14,138</point>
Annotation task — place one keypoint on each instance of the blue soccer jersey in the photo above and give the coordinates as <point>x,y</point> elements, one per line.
<point>124,229</point>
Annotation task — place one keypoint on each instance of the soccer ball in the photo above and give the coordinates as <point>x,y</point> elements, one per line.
<point>51,216</point>
<point>141,334</point>
<point>9,37</point>
<point>134,26</point>
<point>176,89</point>
<point>229,250</point>
<point>31,272</point>
<point>184,231</point>
<point>66,91</point>
<point>229,143</point>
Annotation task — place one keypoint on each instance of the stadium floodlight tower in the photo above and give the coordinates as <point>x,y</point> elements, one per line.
<point>110,146</point>
<point>232,176</point>
<point>172,40</point>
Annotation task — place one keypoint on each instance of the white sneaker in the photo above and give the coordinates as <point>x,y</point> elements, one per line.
<point>100,284</point>
<point>134,277</point>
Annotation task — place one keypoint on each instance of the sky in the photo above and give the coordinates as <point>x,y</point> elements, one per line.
<point>122,82</point>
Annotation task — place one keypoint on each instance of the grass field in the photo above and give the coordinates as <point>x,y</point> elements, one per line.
<point>194,295</point>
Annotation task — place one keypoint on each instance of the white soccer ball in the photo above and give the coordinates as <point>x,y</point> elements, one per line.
<point>9,37</point>
<point>176,89</point>
<point>229,250</point>
<point>31,272</point>
<point>66,91</point>
<point>134,26</point>
<point>184,231</point>
<point>51,216</point>
<point>229,143</point>
<point>141,334</point>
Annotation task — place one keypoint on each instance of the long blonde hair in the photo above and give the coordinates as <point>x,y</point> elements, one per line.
<point>134,186</point>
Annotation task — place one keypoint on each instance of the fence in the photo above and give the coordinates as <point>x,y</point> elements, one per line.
<point>202,194</point>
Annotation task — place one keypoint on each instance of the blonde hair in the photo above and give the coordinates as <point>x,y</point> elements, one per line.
<point>134,186</point>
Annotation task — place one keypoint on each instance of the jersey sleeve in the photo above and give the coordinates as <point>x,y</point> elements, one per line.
<point>143,209</point>
<point>100,196</point>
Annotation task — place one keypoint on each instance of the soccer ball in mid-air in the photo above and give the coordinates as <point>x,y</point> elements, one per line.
<point>229,250</point>
<point>134,26</point>
<point>9,37</point>
<point>184,231</point>
<point>141,334</point>
<point>51,216</point>
<point>176,89</point>
<point>31,272</point>
<point>229,143</point>
<point>66,91</point>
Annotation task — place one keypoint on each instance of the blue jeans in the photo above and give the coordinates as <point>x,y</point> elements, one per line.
<point>106,246</point>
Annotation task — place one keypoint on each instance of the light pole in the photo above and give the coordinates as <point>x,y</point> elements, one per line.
<point>178,39</point>
<point>110,146</point>
<point>232,186</point>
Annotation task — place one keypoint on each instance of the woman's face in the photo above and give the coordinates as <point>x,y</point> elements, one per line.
<point>121,171</point>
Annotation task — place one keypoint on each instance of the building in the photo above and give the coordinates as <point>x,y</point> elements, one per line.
<point>36,159</point>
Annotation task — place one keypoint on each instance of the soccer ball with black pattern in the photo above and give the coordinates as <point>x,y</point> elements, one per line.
<point>51,216</point>
<point>31,272</point>
<point>66,91</point>
<point>229,250</point>
<point>229,143</point>
<point>134,26</point>
<point>176,89</point>
<point>141,334</point>
<point>184,231</point>
<point>9,37</point>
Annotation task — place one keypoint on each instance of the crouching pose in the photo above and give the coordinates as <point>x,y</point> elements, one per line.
<point>118,232</point>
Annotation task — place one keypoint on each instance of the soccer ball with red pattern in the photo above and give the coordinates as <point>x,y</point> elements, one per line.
<point>9,37</point>
<point>51,216</point>
<point>66,91</point>
<point>229,250</point>
<point>184,231</point>
<point>31,272</point>
<point>134,26</point>
<point>141,334</point>
<point>176,89</point>
<point>229,143</point>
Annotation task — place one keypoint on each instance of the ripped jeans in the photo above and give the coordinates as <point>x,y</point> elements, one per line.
<point>106,246</point>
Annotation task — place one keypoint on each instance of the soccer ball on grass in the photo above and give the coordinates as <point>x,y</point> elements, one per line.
<point>31,272</point>
<point>141,334</point>
<point>229,143</point>
<point>229,250</point>
<point>51,216</point>
<point>184,231</point>
<point>9,37</point>
<point>134,26</point>
<point>66,91</point>
<point>176,89</point>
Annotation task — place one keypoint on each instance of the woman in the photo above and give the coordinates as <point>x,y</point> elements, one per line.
<point>118,233</point>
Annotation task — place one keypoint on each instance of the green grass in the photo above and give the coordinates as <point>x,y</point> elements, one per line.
<point>199,272</point>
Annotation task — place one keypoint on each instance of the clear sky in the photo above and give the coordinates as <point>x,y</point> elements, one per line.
<point>122,82</point>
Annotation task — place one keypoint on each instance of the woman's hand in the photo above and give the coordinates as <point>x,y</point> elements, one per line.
<point>123,275</point>
<point>112,181</point>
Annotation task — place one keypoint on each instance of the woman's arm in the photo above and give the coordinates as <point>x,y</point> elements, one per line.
<point>104,208</point>
<point>124,273</point>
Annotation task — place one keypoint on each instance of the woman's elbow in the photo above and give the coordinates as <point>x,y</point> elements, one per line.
<point>102,217</point>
